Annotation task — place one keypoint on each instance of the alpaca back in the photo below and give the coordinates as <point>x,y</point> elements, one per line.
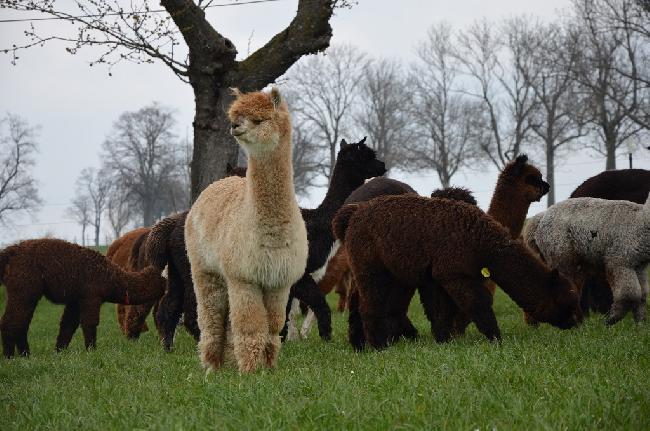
<point>592,229</point>
<point>627,184</point>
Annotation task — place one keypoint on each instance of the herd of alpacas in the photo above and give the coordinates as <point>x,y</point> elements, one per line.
<point>242,262</point>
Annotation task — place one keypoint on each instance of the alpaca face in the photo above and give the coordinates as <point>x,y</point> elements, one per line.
<point>360,160</point>
<point>565,312</point>
<point>258,121</point>
<point>527,178</point>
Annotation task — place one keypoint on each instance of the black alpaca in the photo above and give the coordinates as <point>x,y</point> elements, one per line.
<point>354,164</point>
<point>165,246</point>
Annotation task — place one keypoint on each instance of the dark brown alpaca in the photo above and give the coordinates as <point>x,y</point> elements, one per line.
<point>399,244</point>
<point>128,253</point>
<point>519,184</point>
<point>338,275</point>
<point>65,273</point>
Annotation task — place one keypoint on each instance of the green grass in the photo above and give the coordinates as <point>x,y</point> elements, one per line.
<point>588,378</point>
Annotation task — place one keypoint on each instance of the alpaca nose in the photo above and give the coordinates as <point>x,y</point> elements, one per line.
<point>234,128</point>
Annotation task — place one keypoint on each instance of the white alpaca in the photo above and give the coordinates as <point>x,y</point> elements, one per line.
<point>586,236</point>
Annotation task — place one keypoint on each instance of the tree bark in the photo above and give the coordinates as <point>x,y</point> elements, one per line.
<point>213,70</point>
<point>610,148</point>
<point>550,173</point>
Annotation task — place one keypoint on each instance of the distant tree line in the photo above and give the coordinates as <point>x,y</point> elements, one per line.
<point>144,174</point>
<point>483,94</point>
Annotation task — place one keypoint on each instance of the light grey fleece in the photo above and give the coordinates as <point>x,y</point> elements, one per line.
<point>584,236</point>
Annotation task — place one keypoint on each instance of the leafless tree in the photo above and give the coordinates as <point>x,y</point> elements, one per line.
<point>630,19</point>
<point>610,96</point>
<point>557,119</point>
<point>182,38</point>
<point>383,115</point>
<point>325,89</point>
<point>144,157</point>
<point>119,210</point>
<point>447,124</point>
<point>490,55</point>
<point>80,210</point>
<point>18,190</point>
<point>306,158</point>
<point>94,186</point>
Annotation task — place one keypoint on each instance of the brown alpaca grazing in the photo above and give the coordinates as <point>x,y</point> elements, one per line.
<point>399,244</point>
<point>247,242</point>
<point>65,273</point>
<point>127,252</point>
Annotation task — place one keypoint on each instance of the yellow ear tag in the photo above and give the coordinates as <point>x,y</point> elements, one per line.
<point>485,272</point>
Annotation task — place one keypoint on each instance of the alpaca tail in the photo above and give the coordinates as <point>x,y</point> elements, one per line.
<point>5,257</point>
<point>155,248</point>
<point>342,219</point>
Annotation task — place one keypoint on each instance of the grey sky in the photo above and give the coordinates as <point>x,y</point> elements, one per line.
<point>75,104</point>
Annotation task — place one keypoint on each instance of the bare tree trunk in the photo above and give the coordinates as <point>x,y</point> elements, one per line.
<point>97,228</point>
<point>214,146</point>
<point>610,148</point>
<point>83,235</point>
<point>550,173</point>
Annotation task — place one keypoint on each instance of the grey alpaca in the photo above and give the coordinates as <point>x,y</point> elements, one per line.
<point>586,236</point>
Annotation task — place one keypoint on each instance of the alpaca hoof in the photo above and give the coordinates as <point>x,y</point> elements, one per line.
<point>326,336</point>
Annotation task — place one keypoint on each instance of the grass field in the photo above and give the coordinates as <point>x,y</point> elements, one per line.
<point>592,377</point>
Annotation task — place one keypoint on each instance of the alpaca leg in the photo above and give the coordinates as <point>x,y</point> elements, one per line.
<point>89,318</point>
<point>475,300</point>
<point>441,311</point>
<point>250,327</point>
<point>189,311</point>
<point>379,306</point>
<point>275,303</point>
<point>307,291</point>
<point>355,326</point>
<point>626,291</point>
<point>640,309</point>
<point>14,325</point>
<point>290,330</point>
<point>170,308</point>
<point>68,326</point>
<point>121,311</point>
<point>212,314</point>
<point>307,323</point>
<point>342,289</point>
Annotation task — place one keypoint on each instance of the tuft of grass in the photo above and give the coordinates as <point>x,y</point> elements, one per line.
<point>537,378</point>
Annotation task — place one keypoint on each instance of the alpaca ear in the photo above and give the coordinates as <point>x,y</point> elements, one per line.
<point>520,162</point>
<point>276,98</point>
<point>363,141</point>
<point>343,144</point>
<point>235,92</point>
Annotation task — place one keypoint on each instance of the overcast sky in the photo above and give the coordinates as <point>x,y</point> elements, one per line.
<point>75,105</point>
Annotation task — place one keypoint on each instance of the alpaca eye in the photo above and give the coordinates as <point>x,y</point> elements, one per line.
<point>257,122</point>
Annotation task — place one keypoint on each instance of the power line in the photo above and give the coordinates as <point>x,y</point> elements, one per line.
<point>72,18</point>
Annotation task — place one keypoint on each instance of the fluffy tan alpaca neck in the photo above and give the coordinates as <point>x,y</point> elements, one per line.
<point>269,184</point>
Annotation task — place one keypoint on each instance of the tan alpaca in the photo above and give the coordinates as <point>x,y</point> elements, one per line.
<point>246,241</point>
